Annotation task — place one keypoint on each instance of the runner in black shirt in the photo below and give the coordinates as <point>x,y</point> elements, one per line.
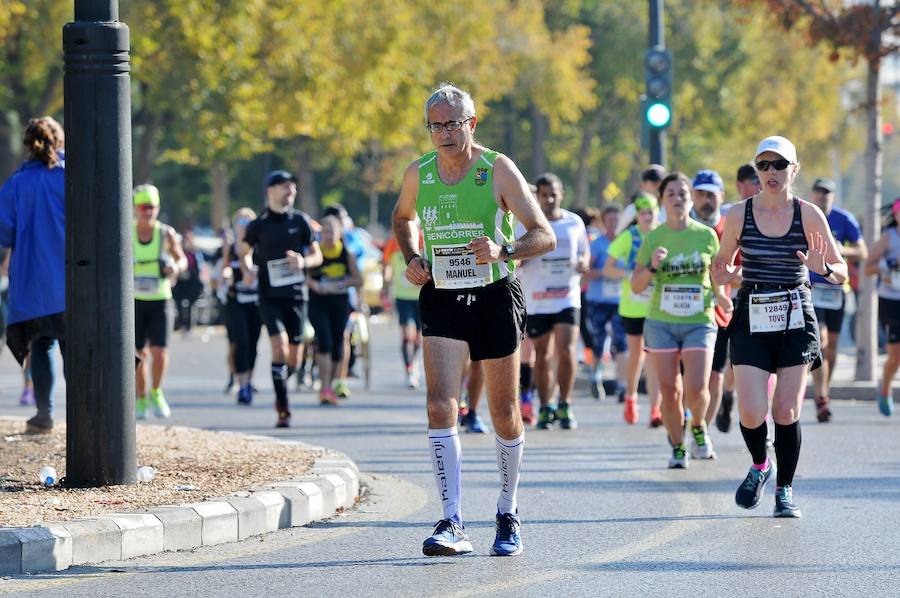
<point>280,243</point>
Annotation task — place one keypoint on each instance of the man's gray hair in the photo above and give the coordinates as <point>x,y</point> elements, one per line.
<point>447,93</point>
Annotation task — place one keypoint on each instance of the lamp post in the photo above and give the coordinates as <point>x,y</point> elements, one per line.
<point>100,364</point>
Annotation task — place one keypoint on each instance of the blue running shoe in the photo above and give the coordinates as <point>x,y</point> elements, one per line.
<point>245,396</point>
<point>886,405</point>
<point>473,423</point>
<point>507,542</point>
<point>784,503</point>
<point>750,491</point>
<point>447,539</point>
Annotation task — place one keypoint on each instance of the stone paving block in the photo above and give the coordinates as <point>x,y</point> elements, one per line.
<point>278,512</point>
<point>329,492</point>
<point>301,506</point>
<point>47,547</point>
<point>142,533</point>
<point>351,479</point>
<point>220,522</point>
<point>10,552</point>
<point>94,540</point>
<point>251,515</point>
<point>182,527</point>
<point>337,460</point>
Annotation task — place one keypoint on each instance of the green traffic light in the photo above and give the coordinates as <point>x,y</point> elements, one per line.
<point>658,115</point>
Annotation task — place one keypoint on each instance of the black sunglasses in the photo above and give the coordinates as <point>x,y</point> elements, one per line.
<point>779,164</point>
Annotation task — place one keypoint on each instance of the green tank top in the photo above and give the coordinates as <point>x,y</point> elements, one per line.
<point>149,284</point>
<point>453,215</point>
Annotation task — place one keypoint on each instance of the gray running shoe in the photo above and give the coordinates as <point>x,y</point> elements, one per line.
<point>784,503</point>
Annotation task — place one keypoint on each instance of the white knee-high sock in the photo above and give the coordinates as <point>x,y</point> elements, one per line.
<point>509,462</point>
<point>446,457</point>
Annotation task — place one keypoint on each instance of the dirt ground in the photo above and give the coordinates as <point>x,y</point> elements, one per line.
<point>191,466</point>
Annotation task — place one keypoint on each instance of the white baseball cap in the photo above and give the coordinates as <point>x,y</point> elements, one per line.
<point>780,145</point>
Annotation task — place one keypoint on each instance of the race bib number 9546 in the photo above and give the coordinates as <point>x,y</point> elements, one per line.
<point>454,267</point>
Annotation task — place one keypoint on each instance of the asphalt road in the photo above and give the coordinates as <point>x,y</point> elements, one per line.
<point>602,515</point>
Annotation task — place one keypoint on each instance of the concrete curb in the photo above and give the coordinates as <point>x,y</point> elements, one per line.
<point>332,485</point>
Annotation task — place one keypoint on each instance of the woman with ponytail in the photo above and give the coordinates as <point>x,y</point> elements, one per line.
<point>32,224</point>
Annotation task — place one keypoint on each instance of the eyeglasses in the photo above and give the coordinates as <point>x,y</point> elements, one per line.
<point>450,125</point>
<point>779,164</point>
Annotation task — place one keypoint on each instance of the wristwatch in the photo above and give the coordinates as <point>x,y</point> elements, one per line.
<point>412,257</point>
<point>509,249</point>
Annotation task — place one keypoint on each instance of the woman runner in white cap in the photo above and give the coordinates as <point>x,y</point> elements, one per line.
<point>774,329</point>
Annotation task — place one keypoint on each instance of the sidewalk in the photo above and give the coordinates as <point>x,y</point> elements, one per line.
<point>844,384</point>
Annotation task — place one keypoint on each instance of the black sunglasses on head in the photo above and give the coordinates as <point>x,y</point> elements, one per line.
<point>779,164</point>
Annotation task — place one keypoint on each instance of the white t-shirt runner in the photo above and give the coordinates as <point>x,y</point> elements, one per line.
<point>550,281</point>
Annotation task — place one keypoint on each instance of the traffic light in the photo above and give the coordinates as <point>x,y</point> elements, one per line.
<point>657,107</point>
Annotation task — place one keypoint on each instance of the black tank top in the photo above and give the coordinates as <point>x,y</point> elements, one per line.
<point>773,260</point>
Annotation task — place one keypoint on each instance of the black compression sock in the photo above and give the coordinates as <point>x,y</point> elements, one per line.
<point>787,451</point>
<point>279,381</point>
<point>524,377</point>
<point>755,439</point>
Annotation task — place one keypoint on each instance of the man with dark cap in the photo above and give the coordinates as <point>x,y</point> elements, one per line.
<point>829,298</point>
<point>650,180</point>
<point>280,245</point>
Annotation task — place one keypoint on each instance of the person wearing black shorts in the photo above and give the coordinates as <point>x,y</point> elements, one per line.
<point>242,320</point>
<point>830,299</point>
<point>158,260</point>
<point>280,245</point>
<point>329,303</point>
<point>552,285</point>
<point>884,261</point>
<point>465,197</point>
<point>774,329</point>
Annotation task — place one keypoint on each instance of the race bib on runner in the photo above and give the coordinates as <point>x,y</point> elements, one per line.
<point>333,285</point>
<point>643,297</point>
<point>681,299</point>
<point>556,272</point>
<point>454,267</point>
<point>610,287</point>
<point>827,296</point>
<point>282,273</point>
<point>895,280</point>
<point>146,285</point>
<point>769,312</point>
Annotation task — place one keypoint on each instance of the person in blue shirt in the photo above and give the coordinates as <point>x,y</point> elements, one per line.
<point>829,298</point>
<point>32,224</point>
<point>602,300</point>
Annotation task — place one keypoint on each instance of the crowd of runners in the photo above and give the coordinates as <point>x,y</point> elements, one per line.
<point>695,303</point>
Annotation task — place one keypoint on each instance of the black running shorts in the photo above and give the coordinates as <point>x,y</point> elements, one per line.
<point>633,326</point>
<point>889,316</point>
<point>774,351</point>
<point>490,319</point>
<point>152,321</point>
<point>720,352</point>
<point>283,315</point>
<point>540,324</point>
<point>832,319</point>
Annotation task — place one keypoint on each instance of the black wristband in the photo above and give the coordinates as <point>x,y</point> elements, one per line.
<point>412,257</point>
<point>652,269</point>
<point>828,271</point>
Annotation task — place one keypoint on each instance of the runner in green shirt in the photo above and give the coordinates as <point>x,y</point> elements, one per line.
<point>680,325</point>
<point>620,263</point>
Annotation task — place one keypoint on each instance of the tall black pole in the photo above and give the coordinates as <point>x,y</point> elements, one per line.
<point>100,366</point>
<point>657,39</point>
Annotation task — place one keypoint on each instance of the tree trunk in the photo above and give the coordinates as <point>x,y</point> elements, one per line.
<point>583,173</point>
<point>866,330</point>
<point>8,157</point>
<point>306,176</point>
<point>146,154</point>
<point>538,139</point>
<point>220,199</point>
